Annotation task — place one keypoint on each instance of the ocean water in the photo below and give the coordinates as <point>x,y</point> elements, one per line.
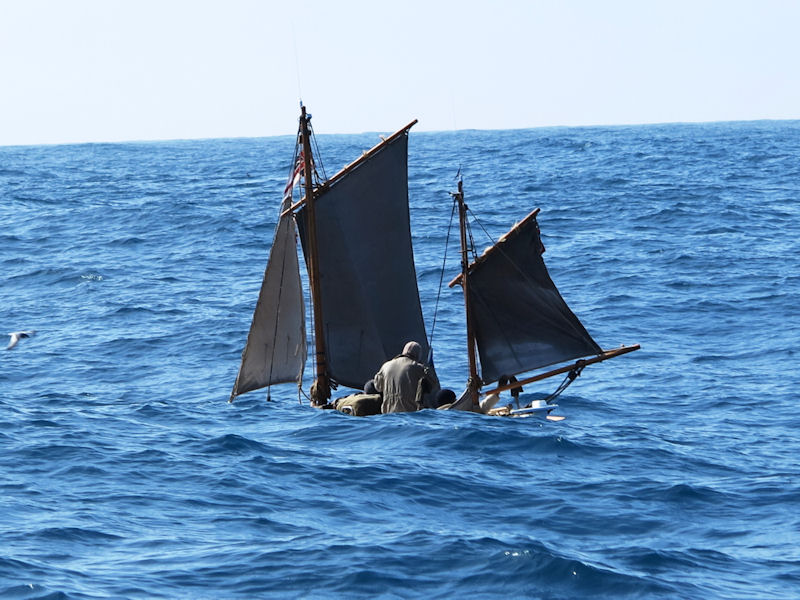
<point>124,472</point>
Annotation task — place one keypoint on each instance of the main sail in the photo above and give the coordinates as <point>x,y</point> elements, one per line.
<point>370,299</point>
<point>521,321</point>
<point>276,344</point>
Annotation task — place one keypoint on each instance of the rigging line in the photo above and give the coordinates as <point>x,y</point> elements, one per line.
<point>524,276</point>
<point>505,254</point>
<point>488,235</point>
<point>317,155</point>
<point>441,276</point>
<point>296,65</point>
<point>471,239</point>
<point>300,390</point>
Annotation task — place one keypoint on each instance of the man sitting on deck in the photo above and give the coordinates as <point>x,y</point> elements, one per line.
<point>404,381</point>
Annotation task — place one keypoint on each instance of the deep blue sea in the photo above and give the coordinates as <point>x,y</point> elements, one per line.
<point>124,472</point>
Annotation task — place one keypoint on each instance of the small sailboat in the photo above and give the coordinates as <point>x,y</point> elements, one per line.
<point>355,234</point>
<point>516,320</point>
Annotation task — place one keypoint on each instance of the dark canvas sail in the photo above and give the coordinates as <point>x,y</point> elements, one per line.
<point>276,345</point>
<point>521,321</point>
<point>370,300</point>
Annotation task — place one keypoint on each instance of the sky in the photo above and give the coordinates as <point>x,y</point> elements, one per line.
<point>112,70</point>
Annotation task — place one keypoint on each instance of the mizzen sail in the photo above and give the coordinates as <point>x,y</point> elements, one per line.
<point>521,321</point>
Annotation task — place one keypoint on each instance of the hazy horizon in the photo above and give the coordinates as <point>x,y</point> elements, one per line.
<point>94,71</point>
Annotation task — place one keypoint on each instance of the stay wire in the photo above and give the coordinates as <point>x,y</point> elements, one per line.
<point>472,239</point>
<point>488,235</point>
<point>318,155</point>
<point>441,276</point>
<point>503,252</point>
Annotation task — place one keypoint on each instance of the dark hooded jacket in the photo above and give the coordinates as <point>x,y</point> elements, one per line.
<point>404,382</point>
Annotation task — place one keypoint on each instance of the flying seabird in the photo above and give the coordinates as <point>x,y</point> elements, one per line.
<point>17,336</point>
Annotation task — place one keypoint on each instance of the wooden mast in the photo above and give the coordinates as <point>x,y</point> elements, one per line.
<point>320,389</point>
<point>474,382</point>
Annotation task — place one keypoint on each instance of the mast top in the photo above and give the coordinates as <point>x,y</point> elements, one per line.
<point>323,187</point>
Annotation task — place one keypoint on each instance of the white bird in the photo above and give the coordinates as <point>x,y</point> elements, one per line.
<point>17,336</point>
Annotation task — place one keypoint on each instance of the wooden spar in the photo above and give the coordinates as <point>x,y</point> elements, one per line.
<point>580,363</point>
<point>344,171</point>
<point>510,233</point>
<point>321,388</point>
<point>462,222</point>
